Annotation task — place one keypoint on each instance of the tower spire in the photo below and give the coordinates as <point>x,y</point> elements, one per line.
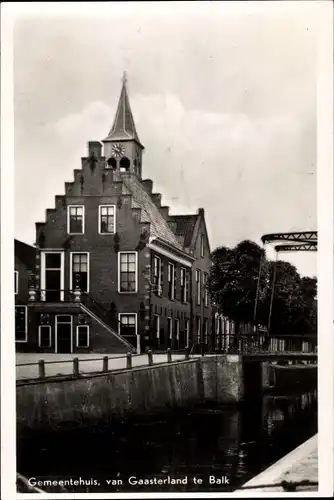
<point>124,78</point>
<point>124,126</point>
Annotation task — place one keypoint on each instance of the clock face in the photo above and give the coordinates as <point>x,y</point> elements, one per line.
<point>117,150</point>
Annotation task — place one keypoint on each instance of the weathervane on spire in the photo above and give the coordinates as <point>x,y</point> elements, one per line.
<point>124,78</point>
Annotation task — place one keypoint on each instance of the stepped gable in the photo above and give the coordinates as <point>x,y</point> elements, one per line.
<point>149,211</point>
<point>185,226</point>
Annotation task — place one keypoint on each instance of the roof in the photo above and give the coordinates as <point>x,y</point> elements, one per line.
<point>124,126</point>
<point>185,226</point>
<point>25,253</point>
<point>150,213</point>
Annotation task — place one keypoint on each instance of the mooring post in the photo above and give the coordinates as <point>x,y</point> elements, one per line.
<point>169,355</point>
<point>41,368</point>
<point>129,360</point>
<point>76,367</point>
<point>105,364</point>
<point>150,357</point>
<point>187,353</point>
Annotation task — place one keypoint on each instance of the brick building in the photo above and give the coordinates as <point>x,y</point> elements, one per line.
<point>25,259</point>
<point>114,270</point>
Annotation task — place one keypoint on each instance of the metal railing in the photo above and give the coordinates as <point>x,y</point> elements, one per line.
<point>247,344</point>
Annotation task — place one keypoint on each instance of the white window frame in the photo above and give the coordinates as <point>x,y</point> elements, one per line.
<point>206,330</point>
<point>206,295</point>
<point>158,325</point>
<point>71,269</point>
<point>177,325</point>
<point>198,287</point>
<point>136,325</point>
<point>187,330</point>
<point>99,221</point>
<point>198,329</point>
<point>171,265</point>
<point>39,336</point>
<point>62,273</point>
<point>68,218</point>
<point>185,290</point>
<point>119,273</point>
<point>77,336</point>
<point>202,246</point>
<point>159,290</point>
<point>16,282</point>
<point>56,330</point>
<point>25,325</point>
<point>170,327</point>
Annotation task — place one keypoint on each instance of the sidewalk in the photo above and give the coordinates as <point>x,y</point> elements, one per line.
<point>60,364</point>
<point>299,465</point>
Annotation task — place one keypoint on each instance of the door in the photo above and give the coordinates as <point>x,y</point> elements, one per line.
<point>128,329</point>
<point>64,339</point>
<point>52,277</point>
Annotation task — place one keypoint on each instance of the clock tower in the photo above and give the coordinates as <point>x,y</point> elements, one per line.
<point>122,147</point>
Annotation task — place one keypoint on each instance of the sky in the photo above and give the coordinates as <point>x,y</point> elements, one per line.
<point>223,97</point>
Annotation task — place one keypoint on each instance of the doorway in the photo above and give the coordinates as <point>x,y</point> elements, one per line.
<point>52,276</point>
<point>64,337</point>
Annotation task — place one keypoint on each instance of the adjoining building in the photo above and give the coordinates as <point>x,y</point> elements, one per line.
<point>114,271</point>
<point>25,260</point>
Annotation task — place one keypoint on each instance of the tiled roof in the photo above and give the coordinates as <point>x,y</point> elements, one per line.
<point>150,213</point>
<point>25,253</point>
<point>124,126</point>
<point>185,225</point>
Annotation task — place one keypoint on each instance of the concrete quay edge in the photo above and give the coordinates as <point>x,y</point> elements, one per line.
<point>275,473</point>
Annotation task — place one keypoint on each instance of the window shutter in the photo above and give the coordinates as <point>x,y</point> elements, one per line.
<point>174,282</point>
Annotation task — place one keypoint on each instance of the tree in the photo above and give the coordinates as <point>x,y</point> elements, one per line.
<point>233,279</point>
<point>236,287</point>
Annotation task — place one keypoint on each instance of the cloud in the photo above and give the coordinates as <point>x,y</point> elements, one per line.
<point>225,108</point>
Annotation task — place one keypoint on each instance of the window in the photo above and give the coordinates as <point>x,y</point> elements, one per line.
<point>156,325</point>
<point>198,287</point>
<point>205,282</point>
<point>177,328</point>
<point>111,163</point>
<point>124,164</point>
<point>202,245</point>
<point>83,336</point>
<point>186,327</point>
<point>44,336</point>
<point>128,325</point>
<point>205,330</point>
<point>170,328</point>
<point>157,275</point>
<point>127,272</point>
<point>198,320</point>
<point>52,276</point>
<point>184,285</point>
<point>75,219</point>
<point>80,271</point>
<point>171,281</point>
<point>107,219</point>
<point>16,282</point>
<point>21,324</point>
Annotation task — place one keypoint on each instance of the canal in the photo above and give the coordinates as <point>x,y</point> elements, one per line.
<point>229,444</point>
